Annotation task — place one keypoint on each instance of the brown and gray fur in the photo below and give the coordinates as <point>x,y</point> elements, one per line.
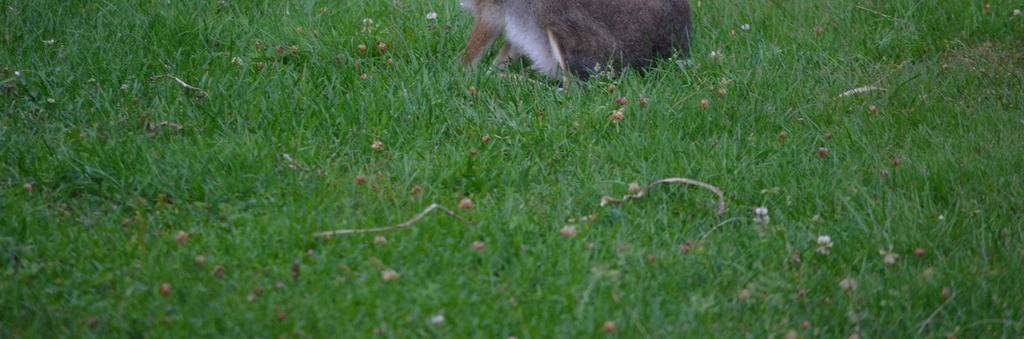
<point>561,36</point>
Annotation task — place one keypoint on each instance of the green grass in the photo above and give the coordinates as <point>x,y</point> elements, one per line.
<point>74,127</point>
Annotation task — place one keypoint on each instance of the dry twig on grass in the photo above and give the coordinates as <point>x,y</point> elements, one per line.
<point>894,19</point>
<point>406,224</point>
<point>295,165</point>
<point>200,93</point>
<point>153,127</point>
<point>858,90</point>
<point>605,200</point>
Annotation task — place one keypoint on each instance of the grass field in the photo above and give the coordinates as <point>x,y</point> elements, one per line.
<point>113,183</point>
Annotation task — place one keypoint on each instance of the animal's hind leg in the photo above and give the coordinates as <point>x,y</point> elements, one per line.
<point>484,34</point>
<point>556,51</point>
<point>507,54</point>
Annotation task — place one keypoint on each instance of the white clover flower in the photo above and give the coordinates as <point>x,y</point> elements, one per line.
<point>49,42</point>
<point>17,74</point>
<point>761,215</point>
<point>824,244</point>
<point>889,257</point>
<point>437,319</point>
<point>713,54</point>
<point>745,27</point>
<point>1016,12</point>
<point>432,15</point>
<point>367,25</point>
<point>848,284</point>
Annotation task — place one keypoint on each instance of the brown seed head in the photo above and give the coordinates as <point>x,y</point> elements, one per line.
<point>165,289</point>
<point>684,248</point>
<point>388,275</point>
<point>466,203</point>
<point>704,103</point>
<point>609,327</point>
<point>568,231</point>
<point>280,314</point>
<point>618,115</point>
<point>181,237</point>
<point>745,294</point>
<point>848,284</point>
<point>92,321</point>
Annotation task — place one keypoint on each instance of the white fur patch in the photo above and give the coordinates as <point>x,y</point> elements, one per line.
<point>531,40</point>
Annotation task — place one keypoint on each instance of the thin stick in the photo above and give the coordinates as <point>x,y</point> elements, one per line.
<point>706,234</point>
<point>877,12</point>
<point>407,224</point>
<point>605,200</point>
<point>295,165</point>
<point>200,93</point>
<point>858,90</point>
<point>932,316</point>
<point>152,127</point>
